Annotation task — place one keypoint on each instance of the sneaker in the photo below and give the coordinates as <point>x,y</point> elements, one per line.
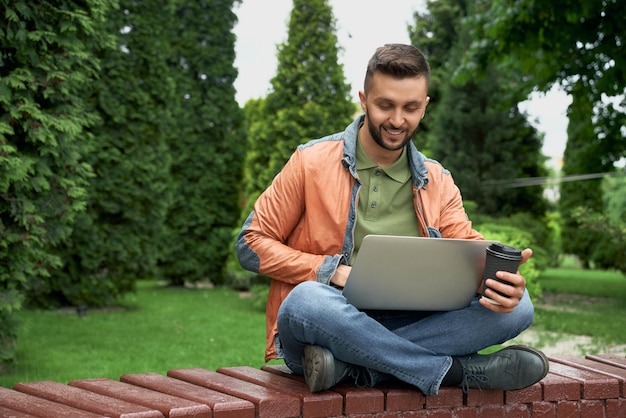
<point>322,370</point>
<point>512,368</point>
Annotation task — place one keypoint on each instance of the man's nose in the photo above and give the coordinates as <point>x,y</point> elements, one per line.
<point>397,118</point>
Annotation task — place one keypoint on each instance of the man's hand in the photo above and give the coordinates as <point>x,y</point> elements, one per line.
<point>340,277</point>
<point>514,289</point>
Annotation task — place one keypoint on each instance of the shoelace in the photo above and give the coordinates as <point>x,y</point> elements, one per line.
<point>475,376</point>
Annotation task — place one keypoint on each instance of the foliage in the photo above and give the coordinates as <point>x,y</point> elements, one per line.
<point>555,41</point>
<point>309,97</point>
<point>115,239</point>
<point>609,249</point>
<point>46,70</point>
<point>476,129</point>
<point>207,147</point>
<point>584,154</point>
<point>579,46</point>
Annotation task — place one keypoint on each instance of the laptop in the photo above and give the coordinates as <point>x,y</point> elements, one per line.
<point>415,273</point>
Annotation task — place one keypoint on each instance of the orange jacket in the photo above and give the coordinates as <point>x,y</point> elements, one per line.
<point>302,226</point>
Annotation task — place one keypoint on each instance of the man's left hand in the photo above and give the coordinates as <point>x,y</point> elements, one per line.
<point>513,289</point>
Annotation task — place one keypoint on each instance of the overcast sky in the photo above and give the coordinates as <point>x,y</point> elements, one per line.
<point>361,27</point>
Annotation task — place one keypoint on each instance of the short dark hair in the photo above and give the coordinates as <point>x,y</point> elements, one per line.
<point>397,60</point>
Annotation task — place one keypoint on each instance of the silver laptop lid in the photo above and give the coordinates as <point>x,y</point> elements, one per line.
<point>415,273</point>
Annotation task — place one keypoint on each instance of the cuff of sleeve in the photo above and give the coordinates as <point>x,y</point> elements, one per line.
<point>328,268</point>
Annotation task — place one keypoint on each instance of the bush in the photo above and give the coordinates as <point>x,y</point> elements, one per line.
<point>44,79</point>
<point>515,237</point>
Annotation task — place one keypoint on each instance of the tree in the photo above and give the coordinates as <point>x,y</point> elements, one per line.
<point>46,72</point>
<point>208,146</point>
<point>309,96</point>
<point>116,239</point>
<point>476,127</point>
<point>575,44</point>
<point>583,154</point>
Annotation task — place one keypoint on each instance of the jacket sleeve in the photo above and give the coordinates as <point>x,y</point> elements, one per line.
<point>262,244</point>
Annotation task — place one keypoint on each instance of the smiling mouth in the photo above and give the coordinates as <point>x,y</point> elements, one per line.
<point>394,132</point>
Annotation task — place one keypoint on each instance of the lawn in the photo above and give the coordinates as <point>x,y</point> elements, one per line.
<point>161,328</point>
<point>583,302</point>
<point>158,329</point>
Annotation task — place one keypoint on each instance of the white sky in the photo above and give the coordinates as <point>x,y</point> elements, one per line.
<point>361,27</point>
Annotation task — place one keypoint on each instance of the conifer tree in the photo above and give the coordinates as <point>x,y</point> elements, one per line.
<point>46,70</point>
<point>208,147</point>
<point>116,240</point>
<point>476,129</point>
<point>309,96</point>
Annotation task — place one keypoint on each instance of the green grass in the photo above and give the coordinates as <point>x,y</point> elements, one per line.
<point>599,283</point>
<point>583,302</point>
<point>159,329</point>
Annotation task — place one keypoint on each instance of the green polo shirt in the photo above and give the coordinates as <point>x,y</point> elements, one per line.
<point>386,199</point>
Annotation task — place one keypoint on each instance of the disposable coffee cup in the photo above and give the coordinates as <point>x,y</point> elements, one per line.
<point>499,257</point>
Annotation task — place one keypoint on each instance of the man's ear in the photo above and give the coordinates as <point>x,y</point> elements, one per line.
<point>363,100</point>
<point>427,101</point>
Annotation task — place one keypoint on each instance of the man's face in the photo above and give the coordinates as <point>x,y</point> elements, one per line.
<point>394,108</point>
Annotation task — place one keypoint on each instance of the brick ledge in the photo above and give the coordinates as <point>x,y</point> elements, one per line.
<point>592,386</point>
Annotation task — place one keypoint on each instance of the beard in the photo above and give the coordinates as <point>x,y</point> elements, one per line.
<point>377,135</point>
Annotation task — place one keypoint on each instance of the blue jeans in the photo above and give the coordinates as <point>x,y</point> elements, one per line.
<point>415,347</point>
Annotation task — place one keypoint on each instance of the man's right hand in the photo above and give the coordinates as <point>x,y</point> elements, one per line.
<point>340,277</point>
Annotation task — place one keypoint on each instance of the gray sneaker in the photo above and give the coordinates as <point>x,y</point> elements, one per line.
<point>511,368</point>
<point>322,370</point>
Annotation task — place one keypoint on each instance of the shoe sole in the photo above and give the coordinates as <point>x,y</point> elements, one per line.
<point>317,363</point>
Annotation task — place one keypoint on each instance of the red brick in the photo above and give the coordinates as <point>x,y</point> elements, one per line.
<point>465,412</point>
<point>448,397</point>
<point>477,397</point>
<point>223,405</point>
<point>322,404</point>
<point>37,406</point>
<point>268,402</point>
<point>559,388</point>
<point>168,405</point>
<point>40,407</point>
<point>281,370</point>
<point>609,370</point>
<point>543,410</point>
<point>595,385</point>
<point>491,411</point>
<point>403,399</point>
<point>567,409</point>
<point>12,413</point>
<point>518,411</point>
<point>84,399</point>
<point>439,413</point>
<point>616,408</point>
<point>592,409</point>
<point>612,359</point>
<point>361,401</point>
<point>530,394</point>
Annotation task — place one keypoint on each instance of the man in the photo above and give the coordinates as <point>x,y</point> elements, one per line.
<point>306,229</point>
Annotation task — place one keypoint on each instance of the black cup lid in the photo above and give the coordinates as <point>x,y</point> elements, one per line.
<point>504,249</point>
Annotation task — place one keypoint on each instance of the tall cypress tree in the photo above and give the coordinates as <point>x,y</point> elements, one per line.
<point>208,147</point>
<point>309,96</point>
<point>46,70</point>
<point>117,239</point>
